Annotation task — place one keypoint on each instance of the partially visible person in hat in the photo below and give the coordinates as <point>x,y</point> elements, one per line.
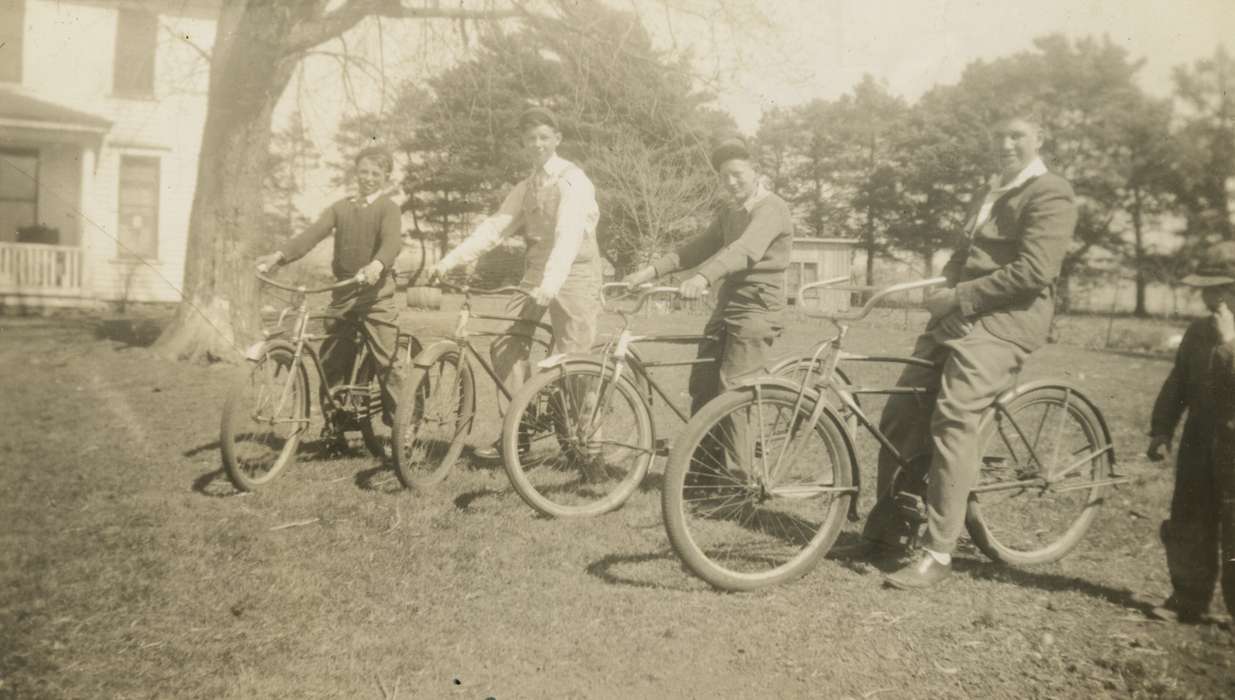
<point>745,252</point>
<point>366,229</point>
<point>1200,535</point>
<point>555,209</point>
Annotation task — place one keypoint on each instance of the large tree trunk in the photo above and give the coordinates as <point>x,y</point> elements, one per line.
<point>249,70</point>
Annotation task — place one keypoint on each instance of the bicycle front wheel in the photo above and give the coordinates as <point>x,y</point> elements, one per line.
<point>575,442</point>
<point>754,494</point>
<point>434,417</point>
<point>1044,463</point>
<point>263,420</point>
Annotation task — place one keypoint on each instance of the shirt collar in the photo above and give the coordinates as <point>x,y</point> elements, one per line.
<point>1034,169</point>
<point>554,167</point>
<point>367,200</point>
<point>755,197</point>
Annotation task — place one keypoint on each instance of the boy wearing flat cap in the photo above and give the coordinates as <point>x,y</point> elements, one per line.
<point>745,251</point>
<point>1200,535</point>
<point>366,229</point>
<point>555,209</point>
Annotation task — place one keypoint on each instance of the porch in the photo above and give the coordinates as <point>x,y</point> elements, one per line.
<point>34,275</point>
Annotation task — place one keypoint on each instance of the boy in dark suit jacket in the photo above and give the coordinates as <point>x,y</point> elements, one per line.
<point>996,309</point>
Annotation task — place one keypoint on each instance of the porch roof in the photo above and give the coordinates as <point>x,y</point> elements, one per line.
<point>21,109</point>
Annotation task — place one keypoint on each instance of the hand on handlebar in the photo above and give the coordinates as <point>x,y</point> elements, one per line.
<point>694,287</point>
<point>265,263</point>
<point>370,274</point>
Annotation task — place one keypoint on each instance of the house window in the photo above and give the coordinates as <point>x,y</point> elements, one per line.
<point>19,192</point>
<point>139,207</point>
<point>12,28</point>
<point>136,40</point>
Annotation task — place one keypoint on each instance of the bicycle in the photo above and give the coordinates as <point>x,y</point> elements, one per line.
<point>438,409</point>
<point>268,412</point>
<point>579,437</point>
<point>744,514</point>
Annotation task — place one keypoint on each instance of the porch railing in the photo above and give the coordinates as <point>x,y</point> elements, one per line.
<point>33,269</point>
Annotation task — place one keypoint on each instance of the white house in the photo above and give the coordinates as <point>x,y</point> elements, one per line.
<point>102,105</point>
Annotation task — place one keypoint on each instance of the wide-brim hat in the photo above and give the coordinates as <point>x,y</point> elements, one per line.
<point>1217,268</point>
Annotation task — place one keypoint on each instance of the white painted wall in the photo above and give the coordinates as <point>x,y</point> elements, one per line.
<point>68,57</point>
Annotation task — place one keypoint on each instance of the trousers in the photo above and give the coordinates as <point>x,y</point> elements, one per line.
<point>966,376</point>
<point>375,311</point>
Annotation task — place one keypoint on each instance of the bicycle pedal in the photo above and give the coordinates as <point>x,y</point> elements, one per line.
<point>661,447</point>
<point>912,508</point>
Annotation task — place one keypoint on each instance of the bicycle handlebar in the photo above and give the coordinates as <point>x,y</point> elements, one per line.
<point>466,289</point>
<point>305,290</point>
<point>645,291</point>
<point>879,293</point>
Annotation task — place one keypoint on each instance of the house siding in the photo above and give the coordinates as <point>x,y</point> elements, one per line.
<point>68,56</point>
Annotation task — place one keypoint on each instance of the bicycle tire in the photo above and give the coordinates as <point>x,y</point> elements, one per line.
<point>1031,525</point>
<point>378,439</point>
<point>434,416</point>
<point>253,457</point>
<point>739,531</point>
<point>565,467</point>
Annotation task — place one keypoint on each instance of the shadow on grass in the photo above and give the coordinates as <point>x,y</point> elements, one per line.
<point>652,481</point>
<point>379,479</point>
<point>1051,583</point>
<point>464,500</point>
<point>214,485</point>
<point>608,570</point>
<point>130,332</point>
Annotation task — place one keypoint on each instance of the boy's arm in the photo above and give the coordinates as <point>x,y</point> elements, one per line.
<point>694,251</point>
<point>576,213</point>
<point>1050,219</point>
<point>390,235</point>
<point>489,232</point>
<point>298,246</point>
<point>767,223</point>
<point>1172,398</point>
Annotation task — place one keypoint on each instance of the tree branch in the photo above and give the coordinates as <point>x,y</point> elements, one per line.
<point>306,35</point>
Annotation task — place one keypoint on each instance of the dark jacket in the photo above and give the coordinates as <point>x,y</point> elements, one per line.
<point>1004,274</point>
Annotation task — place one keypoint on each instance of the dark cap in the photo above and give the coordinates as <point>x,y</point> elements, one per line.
<point>535,116</point>
<point>1217,267</point>
<point>728,150</point>
<point>380,154</point>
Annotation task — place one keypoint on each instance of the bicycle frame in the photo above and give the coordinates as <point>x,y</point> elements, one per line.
<point>822,377</point>
<point>305,352</point>
<point>462,335</point>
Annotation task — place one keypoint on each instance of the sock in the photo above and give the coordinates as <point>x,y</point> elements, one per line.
<point>940,557</point>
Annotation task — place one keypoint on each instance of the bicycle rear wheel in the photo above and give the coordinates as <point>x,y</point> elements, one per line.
<point>1043,464</point>
<point>753,495</point>
<point>264,418</point>
<point>575,442</point>
<point>434,417</point>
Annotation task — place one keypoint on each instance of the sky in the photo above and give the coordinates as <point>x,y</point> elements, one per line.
<point>776,53</point>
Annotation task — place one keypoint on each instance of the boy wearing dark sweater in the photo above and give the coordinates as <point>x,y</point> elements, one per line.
<point>366,231</point>
<point>1200,534</point>
<point>745,251</point>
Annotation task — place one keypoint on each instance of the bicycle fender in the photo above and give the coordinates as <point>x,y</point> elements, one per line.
<point>427,354</point>
<point>1022,389</point>
<point>255,351</point>
<point>563,358</point>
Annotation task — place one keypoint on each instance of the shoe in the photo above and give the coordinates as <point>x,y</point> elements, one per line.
<point>868,550</point>
<point>923,573</point>
<point>489,452</point>
<point>1171,611</point>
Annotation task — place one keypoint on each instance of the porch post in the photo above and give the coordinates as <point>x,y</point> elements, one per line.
<point>89,238</point>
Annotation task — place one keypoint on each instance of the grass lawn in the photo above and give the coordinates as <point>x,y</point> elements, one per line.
<point>130,568</point>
